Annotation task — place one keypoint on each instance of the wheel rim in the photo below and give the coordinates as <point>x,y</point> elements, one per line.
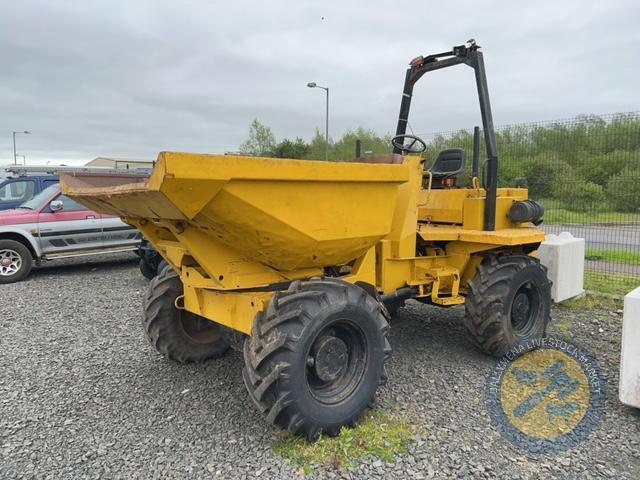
<point>10,262</point>
<point>198,329</point>
<point>336,362</point>
<point>524,309</point>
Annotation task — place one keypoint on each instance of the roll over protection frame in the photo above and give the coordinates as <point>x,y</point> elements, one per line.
<point>470,55</point>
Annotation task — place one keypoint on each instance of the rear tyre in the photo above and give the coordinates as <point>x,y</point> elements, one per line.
<point>15,261</point>
<point>316,356</point>
<point>509,301</point>
<point>147,270</point>
<point>162,265</point>
<point>177,334</point>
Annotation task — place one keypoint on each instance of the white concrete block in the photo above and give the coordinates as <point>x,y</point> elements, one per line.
<point>630,357</point>
<point>563,255</point>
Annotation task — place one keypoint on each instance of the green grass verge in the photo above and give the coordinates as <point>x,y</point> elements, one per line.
<point>611,283</point>
<point>586,302</point>
<point>564,327</point>
<point>613,256</point>
<point>560,215</point>
<point>379,434</point>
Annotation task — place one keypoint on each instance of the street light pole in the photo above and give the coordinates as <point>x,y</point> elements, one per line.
<point>326,128</point>
<point>15,159</point>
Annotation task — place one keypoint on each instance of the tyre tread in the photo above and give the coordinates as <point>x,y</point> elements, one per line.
<point>159,320</point>
<point>276,331</point>
<point>484,304</point>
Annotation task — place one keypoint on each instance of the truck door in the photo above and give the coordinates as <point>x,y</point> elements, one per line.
<point>116,233</point>
<point>71,228</point>
<point>16,191</point>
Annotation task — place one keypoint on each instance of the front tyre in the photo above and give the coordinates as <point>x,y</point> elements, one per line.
<point>15,261</point>
<point>509,301</point>
<point>316,356</point>
<point>177,334</point>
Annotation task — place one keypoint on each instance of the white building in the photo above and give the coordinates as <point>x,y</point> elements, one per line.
<point>124,163</point>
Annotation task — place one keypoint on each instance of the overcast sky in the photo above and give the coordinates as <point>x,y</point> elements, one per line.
<point>132,78</point>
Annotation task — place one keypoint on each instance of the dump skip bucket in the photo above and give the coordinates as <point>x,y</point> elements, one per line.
<point>285,213</point>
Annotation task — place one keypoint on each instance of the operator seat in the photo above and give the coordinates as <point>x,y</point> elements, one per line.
<point>448,166</point>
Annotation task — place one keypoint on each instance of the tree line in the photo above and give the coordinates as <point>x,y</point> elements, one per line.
<point>262,142</point>
<point>589,163</point>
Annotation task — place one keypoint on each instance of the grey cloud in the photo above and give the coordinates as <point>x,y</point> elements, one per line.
<point>133,78</point>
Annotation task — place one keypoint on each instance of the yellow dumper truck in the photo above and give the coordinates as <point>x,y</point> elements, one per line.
<point>300,263</point>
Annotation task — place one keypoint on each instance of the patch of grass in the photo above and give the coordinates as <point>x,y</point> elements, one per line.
<point>564,327</point>
<point>560,215</point>
<point>613,256</point>
<point>610,283</point>
<point>586,302</point>
<point>379,434</point>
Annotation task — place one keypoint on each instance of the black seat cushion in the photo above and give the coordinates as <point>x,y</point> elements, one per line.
<point>449,163</point>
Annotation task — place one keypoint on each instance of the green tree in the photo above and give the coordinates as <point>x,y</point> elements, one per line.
<point>297,148</point>
<point>316,147</point>
<point>599,168</point>
<point>344,149</point>
<point>577,194</point>
<point>261,141</point>
<point>543,173</point>
<point>623,190</point>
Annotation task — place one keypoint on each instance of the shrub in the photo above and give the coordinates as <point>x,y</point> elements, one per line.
<point>586,196</point>
<point>509,168</point>
<point>291,148</point>
<point>623,190</point>
<point>542,173</point>
<point>577,194</point>
<point>599,168</point>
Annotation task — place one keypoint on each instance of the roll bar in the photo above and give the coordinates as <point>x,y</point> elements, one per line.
<point>470,55</point>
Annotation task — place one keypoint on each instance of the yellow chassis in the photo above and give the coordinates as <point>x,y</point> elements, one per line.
<point>447,222</point>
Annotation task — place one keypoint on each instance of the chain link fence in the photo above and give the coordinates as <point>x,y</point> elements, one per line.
<point>585,171</point>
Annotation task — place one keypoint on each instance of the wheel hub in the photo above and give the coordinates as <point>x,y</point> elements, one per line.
<point>198,329</point>
<point>521,308</point>
<point>10,262</point>
<point>330,358</point>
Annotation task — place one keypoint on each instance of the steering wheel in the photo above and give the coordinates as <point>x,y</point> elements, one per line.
<point>409,143</point>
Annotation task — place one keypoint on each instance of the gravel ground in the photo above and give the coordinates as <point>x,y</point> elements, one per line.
<point>83,395</point>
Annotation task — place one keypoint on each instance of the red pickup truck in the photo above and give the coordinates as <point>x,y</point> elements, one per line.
<point>52,226</point>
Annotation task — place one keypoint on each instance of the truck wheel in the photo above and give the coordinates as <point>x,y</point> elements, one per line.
<point>316,356</point>
<point>509,301</point>
<point>147,270</point>
<point>177,334</point>
<point>161,266</point>
<point>15,261</point>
